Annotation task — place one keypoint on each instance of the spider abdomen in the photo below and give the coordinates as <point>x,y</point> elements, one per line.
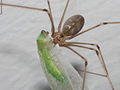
<point>73,25</point>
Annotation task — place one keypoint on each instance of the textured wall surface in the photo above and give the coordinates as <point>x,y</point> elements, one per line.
<point>19,61</point>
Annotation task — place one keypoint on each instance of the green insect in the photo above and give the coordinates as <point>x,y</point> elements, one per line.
<point>47,59</point>
<point>60,75</point>
<point>55,71</point>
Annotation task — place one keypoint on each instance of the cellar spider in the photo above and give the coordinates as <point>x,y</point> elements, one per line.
<point>71,29</point>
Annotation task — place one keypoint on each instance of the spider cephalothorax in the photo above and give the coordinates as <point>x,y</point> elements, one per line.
<point>58,39</point>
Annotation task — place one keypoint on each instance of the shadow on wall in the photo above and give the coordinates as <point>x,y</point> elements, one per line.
<point>42,85</point>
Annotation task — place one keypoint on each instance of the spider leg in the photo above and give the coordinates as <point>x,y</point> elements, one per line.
<point>1,7</point>
<point>86,63</point>
<point>94,73</point>
<point>93,27</point>
<point>99,55</point>
<point>33,8</point>
<point>59,26</point>
<point>51,17</point>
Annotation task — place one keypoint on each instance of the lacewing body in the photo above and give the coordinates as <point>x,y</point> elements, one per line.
<point>61,76</point>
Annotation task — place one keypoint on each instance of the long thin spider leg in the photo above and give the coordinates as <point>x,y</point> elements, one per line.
<point>92,28</point>
<point>1,7</point>
<point>98,74</point>
<point>73,44</point>
<point>26,7</point>
<point>86,63</point>
<point>52,21</point>
<point>59,26</point>
<point>98,53</point>
<point>98,47</point>
<point>32,8</point>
